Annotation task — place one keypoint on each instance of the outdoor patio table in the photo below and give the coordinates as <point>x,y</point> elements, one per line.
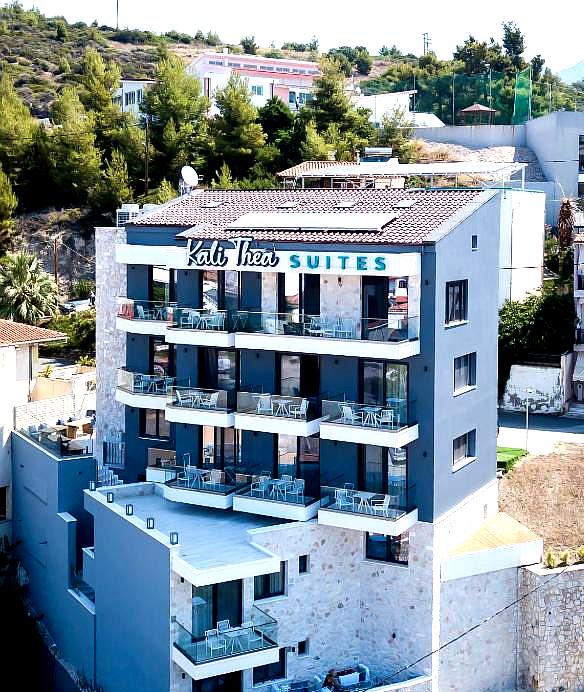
<point>371,416</point>
<point>196,475</point>
<point>283,407</point>
<point>233,636</point>
<point>279,488</point>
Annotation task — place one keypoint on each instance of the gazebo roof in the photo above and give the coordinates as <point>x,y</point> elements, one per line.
<point>478,108</point>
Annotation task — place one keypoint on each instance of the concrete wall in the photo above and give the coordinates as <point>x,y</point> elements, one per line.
<point>478,136</point>
<point>488,654</point>
<point>551,629</point>
<point>110,343</point>
<point>132,596</point>
<point>49,526</point>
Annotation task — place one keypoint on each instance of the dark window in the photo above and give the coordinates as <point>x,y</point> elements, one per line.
<point>161,357</point>
<point>388,548</point>
<point>456,301</point>
<point>3,503</point>
<point>385,384</point>
<point>474,242</point>
<point>269,585</point>
<point>581,154</point>
<point>162,284</point>
<point>154,424</point>
<point>273,671</point>
<point>463,448</point>
<point>303,564</point>
<point>465,371</point>
<point>303,648</point>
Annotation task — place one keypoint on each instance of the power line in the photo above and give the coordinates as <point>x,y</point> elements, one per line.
<point>474,627</point>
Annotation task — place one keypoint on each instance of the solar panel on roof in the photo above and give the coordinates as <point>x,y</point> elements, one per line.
<point>370,221</point>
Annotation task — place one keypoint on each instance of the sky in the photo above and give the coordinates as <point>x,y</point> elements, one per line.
<point>556,35</point>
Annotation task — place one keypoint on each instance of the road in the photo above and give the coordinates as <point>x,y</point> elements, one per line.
<point>544,431</point>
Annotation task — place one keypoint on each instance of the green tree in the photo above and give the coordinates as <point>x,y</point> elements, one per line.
<point>275,117</point>
<point>177,112</point>
<point>161,194</point>
<point>514,44</point>
<point>249,45</point>
<point>99,80</point>
<point>239,138</point>
<point>27,293</point>
<point>332,106</point>
<point>62,32</point>
<point>396,131</point>
<point>80,330</point>
<point>73,155</point>
<point>315,147</point>
<point>8,204</point>
<point>114,187</point>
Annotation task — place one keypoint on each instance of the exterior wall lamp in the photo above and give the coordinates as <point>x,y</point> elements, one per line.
<point>110,497</point>
<point>173,537</point>
<point>129,509</point>
<point>149,522</point>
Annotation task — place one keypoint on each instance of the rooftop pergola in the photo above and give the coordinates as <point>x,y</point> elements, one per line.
<point>476,112</point>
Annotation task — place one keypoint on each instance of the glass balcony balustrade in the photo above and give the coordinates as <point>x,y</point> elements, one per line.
<point>211,480</point>
<point>258,633</point>
<point>278,406</point>
<point>200,319</point>
<point>141,383</point>
<point>145,310</point>
<point>197,398</point>
<point>345,498</point>
<point>396,413</point>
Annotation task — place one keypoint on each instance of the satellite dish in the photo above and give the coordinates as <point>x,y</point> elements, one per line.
<point>189,179</point>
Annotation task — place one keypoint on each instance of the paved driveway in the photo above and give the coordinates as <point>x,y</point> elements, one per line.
<point>544,431</point>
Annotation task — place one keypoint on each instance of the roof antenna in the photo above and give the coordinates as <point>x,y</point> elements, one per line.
<point>189,180</point>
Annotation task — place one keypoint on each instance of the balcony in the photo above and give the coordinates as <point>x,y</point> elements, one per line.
<point>272,413</point>
<point>395,337</point>
<point>359,510</point>
<point>579,282</point>
<point>143,391</point>
<point>60,441</point>
<point>205,487</point>
<point>277,497</point>
<point>253,643</point>
<point>144,316</point>
<point>199,407</point>
<point>384,426</point>
<point>579,336</point>
<point>199,327</point>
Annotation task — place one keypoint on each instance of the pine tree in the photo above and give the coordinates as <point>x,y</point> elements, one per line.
<point>114,187</point>
<point>8,204</point>
<point>238,135</point>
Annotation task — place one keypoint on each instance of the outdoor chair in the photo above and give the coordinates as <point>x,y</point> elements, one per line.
<point>301,410</point>
<point>381,506</point>
<point>386,418</point>
<point>251,635</point>
<point>183,399</point>
<point>343,498</point>
<point>265,405</point>
<point>222,626</point>
<point>350,416</point>
<point>210,402</point>
<point>260,487</point>
<point>214,642</point>
<point>218,321</point>
<point>189,319</point>
<point>214,478</point>
<point>286,477</point>
<point>297,489</point>
<point>315,327</point>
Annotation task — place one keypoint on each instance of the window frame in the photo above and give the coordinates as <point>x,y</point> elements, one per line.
<point>470,447</point>
<point>461,299</point>
<point>393,548</point>
<point>157,415</point>
<point>304,564</point>
<point>471,369</point>
<point>266,591</point>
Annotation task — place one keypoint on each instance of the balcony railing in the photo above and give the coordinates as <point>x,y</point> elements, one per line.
<point>279,406</point>
<point>257,634</point>
<point>200,319</point>
<point>140,383</point>
<point>147,310</point>
<point>55,440</point>
<point>222,482</point>
<point>391,506</point>
<point>196,398</point>
<point>395,414</point>
<point>284,489</point>
<point>393,329</point>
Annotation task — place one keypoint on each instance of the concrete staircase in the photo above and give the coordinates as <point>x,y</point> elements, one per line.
<point>106,477</point>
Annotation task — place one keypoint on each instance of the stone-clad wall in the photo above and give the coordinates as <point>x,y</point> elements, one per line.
<point>488,654</point>
<point>551,629</point>
<point>110,343</point>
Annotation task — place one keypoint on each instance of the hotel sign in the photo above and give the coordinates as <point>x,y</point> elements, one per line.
<point>239,255</point>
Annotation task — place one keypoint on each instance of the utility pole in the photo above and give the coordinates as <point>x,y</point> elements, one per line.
<point>56,260</point>
<point>117,15</point>
<point>427,42</point>
<point>147,155</point>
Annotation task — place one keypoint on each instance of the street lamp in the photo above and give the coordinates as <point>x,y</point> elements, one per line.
<point>528,391</point>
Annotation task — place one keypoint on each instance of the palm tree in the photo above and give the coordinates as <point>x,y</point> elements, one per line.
<point>27,292</point>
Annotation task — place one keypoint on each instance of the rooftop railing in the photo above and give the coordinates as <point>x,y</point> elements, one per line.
<point>258,633</point>
<point>141,383</point>
<point>147,310</point>
<point>54,439</point>
<point>197,398</point>
<point>222,482</point>
<point>394,329</point>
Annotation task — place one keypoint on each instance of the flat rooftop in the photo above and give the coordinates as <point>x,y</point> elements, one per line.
<point>208,538</point>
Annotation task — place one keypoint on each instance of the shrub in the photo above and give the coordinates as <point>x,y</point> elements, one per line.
<point>580,553</point>
<point>47,371</point>
<point>565,557</point>
<point>550,560</point>
<point>86,361</point>
<point>79,327</point>
<point>82,289</point>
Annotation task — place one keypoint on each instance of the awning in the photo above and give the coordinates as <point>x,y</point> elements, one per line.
<point>578,375</point>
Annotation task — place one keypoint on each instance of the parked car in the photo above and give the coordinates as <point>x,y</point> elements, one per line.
<point>66,308</point>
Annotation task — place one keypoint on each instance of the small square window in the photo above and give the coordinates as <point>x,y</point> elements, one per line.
<point>465,375</point>
<point>303,648</point>
<point>456,301</point>
<point>303,564</point>
<point>270,585</point>
<point>464,450</point>
<point>474,242</point>
<point>388,548</point>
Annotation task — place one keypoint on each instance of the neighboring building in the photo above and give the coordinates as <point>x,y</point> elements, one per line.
<point>291,80</point>
<point>556,139</point>
<point>130,94</point>
<point>384,104</point>
<point>305,381</point>
<point>578,374</point>
<point>19,363</point>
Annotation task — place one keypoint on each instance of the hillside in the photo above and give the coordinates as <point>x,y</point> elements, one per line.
<point>573,74</point>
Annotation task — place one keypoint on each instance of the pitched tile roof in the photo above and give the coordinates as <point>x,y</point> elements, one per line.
<point>13,333</point>
<point>424,218</point>
<point>302,168</point>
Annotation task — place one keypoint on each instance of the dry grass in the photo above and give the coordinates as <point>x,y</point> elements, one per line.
<point>546,493</point>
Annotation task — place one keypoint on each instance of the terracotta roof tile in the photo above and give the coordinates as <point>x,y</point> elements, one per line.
<point>413,225</point>
<point>12,333</point>
<point>304,167</point>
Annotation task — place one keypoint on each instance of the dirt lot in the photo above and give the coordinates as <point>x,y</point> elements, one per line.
<point>546,493</point>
